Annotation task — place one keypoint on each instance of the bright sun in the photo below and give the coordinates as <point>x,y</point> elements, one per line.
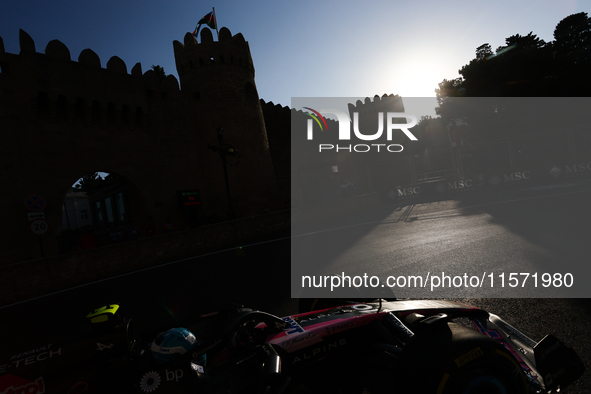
<point>417,81</point>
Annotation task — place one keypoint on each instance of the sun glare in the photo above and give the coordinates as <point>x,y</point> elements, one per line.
<point>417,81</point>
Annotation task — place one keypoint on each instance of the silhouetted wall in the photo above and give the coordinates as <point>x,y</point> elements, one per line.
<point>62,119</point>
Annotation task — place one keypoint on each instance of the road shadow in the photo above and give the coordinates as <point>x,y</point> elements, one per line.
<point>558,225</point>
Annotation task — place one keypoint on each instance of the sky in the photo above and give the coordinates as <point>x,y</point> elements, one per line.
<point>300,48</point>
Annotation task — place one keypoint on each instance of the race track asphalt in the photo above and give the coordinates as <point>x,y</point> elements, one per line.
<point>257,276</point>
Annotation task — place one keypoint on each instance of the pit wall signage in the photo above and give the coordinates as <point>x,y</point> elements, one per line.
<point>510,178</point>
<point>448,187</point>
<point>431,189</point>
<point>569,171</point>
<point>491,182</point>
<point>552,173</point>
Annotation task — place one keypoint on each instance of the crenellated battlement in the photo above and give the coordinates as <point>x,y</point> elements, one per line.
<point>228,51</point>
<point>56,50</point>
<point>54,87</point>
<point>386,103</point>
<point>277,122</point>
<point>278,109</point>
<point>62,119</point>
<point>278,118</point>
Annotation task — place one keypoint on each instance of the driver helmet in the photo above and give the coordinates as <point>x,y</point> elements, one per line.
<point>171,344</point>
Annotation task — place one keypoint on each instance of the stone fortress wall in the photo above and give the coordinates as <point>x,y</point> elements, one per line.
<point>62,119</point>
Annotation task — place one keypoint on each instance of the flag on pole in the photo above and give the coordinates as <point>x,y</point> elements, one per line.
<point>208,20</point>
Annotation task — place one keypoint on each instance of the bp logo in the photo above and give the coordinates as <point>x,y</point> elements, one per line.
<point>150,382</point>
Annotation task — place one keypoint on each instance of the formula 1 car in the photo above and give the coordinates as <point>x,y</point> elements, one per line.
<point>403,346</point>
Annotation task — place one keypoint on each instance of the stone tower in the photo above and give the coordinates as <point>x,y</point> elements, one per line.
<point>373,171</point>
<point>217,78</point>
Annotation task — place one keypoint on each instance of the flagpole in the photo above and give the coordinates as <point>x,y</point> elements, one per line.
<point>216,23</point>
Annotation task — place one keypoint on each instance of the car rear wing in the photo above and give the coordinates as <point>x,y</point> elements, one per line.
<point>549,363</point>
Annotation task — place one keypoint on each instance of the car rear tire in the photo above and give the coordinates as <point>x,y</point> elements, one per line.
<point>453,359</point>
<point>496,375</point>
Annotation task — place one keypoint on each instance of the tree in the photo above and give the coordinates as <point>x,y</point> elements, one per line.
<point>159,72</point>
<point>572,35</point>
<point>531,41</point>
<point>89,182</point>
<point>449,88</point>
<point>517,69</point>
<point>572,53</point>
<point>431,134</point>
<point>483,52</point>
<point>526,66</point>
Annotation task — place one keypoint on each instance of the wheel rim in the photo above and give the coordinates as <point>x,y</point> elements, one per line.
<point>485,384</point>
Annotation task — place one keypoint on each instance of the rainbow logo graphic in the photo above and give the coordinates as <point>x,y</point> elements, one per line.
<point>316,118</point>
